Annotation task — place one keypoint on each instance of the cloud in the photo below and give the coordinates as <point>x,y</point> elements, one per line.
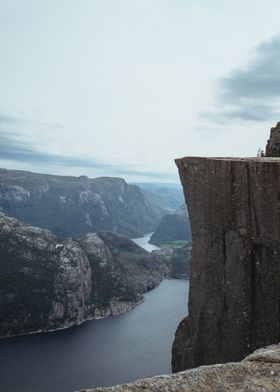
<point>13,149</point>
<point>4,119</point>
<point>251,93</point>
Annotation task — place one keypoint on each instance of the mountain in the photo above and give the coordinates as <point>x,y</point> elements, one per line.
<point>74,206</point>
<point>234,282</point>
<point>48,284</point>
<point>169,197</point>
<point>172,227</point>
<point>177,261</point>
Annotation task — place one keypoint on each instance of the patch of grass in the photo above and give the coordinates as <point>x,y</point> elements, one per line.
<point>174,244</point>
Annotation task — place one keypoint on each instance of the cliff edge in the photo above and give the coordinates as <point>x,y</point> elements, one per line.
<point>234,302</point>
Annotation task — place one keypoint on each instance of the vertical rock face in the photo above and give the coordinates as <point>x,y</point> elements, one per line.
<point>47,284</point>
<point>273,143</point>
<point>234,302</point>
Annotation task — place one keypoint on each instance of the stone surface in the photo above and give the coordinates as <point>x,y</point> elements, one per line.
<point>74,206</point>
<point>45,283</point>
<point>234,209</point>
<point>48,284</point>
<point>273,143</point>
<point>260,372</point>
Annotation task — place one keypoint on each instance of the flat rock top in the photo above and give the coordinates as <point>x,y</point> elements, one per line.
<point>259,372</point>
<point>231,159</point>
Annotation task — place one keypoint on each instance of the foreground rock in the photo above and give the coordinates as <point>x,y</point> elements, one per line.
<point>234,284</point>
<point>48,284</point>
<point>75,206</point>
<point>260,372</point>
<point>172,227</point>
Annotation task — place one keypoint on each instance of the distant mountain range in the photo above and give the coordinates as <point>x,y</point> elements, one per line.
<point>169,197</point>
<point>82,266</point>
<point>48,284</point>
<point>74,206</point>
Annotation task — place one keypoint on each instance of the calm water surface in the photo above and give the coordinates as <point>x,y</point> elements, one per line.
<point>100,352</point>
<point>143,242</point>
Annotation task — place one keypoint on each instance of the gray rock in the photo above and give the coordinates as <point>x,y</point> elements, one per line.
<point>48,284</point>
<point>234,284</point>
<point>260,372</point>
<point>74,206</point>
<point>273,143</point>
<point>176,261</point>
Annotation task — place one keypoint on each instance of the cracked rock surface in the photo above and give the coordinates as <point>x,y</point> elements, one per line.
<point>234,210</point>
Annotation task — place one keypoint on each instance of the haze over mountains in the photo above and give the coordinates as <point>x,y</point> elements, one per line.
<point>74,206</point>
<point>52,281</point>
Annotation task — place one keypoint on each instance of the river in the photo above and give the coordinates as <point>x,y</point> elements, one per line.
<point>144,242</point>
<point>99,352</point>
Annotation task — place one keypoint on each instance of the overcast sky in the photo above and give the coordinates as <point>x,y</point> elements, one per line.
<point>122,87</point>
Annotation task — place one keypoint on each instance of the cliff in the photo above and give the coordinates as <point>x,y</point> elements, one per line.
<point>234,284</point>
<point>172,227</point>
<point>75,206</point>
<point>48,284</point>
<point>260,372</point>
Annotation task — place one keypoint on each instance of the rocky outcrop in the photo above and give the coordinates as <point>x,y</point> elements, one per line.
<point>45,284</point>
<point>172,227</point>
<point>48,284</point>
<point>234,284</point>
<point>260,372</point>
<point>75,206</point>
<point>273,143</point>
<point>176,261</point>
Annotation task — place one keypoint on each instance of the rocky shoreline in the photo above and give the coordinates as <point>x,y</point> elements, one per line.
<point>50,284</point>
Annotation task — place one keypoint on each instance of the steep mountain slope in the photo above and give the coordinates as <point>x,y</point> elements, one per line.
<point>74,206</point>
<point>172,227</point>
<point>169,197</point>
<point>48,284</point>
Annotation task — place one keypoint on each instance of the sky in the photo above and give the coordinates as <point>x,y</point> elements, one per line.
<point>123,87</point>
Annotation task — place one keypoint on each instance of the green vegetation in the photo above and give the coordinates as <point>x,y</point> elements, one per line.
<point>174,244</point>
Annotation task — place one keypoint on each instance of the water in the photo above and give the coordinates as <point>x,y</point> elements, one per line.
<point>144,242</point>
<point>100,352</point>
